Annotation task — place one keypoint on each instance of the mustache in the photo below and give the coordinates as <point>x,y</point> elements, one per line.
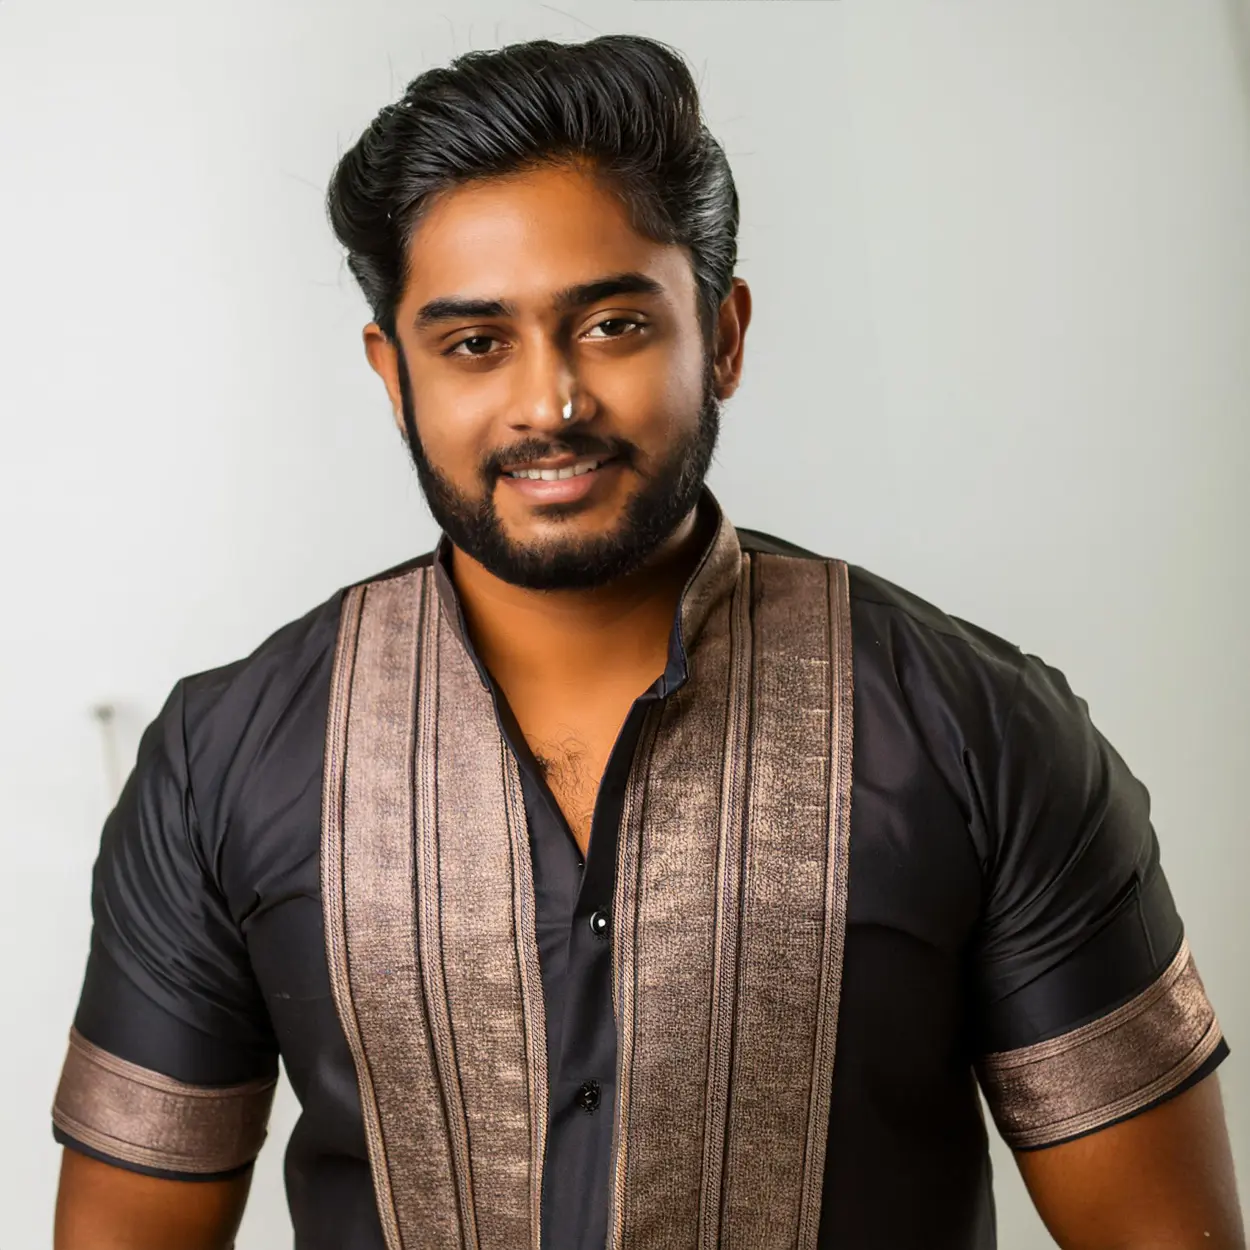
<point>574,443</point>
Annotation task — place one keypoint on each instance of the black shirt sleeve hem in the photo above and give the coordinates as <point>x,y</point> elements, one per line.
<point>1217,1057</point>
<point>71,1143</point>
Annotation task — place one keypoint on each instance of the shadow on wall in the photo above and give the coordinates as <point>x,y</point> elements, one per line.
<point>1238,13</point>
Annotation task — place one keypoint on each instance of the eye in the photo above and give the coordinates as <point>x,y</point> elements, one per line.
<point>615,328</point>
<point>475,345</point>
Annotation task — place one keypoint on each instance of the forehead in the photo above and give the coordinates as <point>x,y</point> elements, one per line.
<point>525,236</point>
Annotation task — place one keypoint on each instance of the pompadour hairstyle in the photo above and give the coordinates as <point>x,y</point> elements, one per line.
<point>622,106</point>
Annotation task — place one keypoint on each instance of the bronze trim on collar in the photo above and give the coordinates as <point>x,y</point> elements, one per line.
<point>732,865</point>
<point>730,915</point>
<point>430,935</point>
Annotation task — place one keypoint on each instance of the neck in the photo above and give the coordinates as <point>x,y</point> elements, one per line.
<point>613,633</point>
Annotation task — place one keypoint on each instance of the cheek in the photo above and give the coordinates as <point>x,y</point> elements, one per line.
<point>654,396</point>
<point>454,425</point>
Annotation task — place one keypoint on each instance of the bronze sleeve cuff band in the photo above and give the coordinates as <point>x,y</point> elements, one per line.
<point>1108,1069</point>
<point>137,1116</point>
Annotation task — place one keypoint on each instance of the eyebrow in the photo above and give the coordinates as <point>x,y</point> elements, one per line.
<point>454,308</point>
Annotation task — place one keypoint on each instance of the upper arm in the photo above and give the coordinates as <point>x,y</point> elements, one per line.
<point>1088,1006</point>
<point>1160,1179</point>
<point>172,1063</point>
<point>101,1207</point>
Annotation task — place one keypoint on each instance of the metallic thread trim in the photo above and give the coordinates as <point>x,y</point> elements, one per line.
<point>837,883</point>
<point>625,967</point>
<point>430,924</point>
<point>793,913</point>
<point>732,864</point>
<point>728,918</point>
<point>138,1116</point>
<point>530,970</point>
<point>333,854</point>
<point>429,901</point>
<point>1108,1069</point>
<point>724,1068</point>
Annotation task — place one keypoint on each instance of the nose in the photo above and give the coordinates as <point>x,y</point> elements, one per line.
<point>548,402</point>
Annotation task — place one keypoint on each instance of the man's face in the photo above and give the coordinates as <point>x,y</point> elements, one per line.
<point>528,294</point>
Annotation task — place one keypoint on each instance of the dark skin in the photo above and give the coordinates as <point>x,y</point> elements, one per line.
<point>572,662</point>
<point>99,1207</point>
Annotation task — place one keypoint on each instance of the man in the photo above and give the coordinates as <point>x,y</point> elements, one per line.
<point>612,876</point>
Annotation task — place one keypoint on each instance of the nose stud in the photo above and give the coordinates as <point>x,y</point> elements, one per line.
<point>567,411</point>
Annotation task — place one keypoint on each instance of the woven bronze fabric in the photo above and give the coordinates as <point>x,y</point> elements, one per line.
<point>731,915</point>
<point>142,1117</point>
<point>727,943</point>
<point>430,930</point>
<point>1106,1070</point>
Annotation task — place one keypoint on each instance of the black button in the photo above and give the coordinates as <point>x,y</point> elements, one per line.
<point>599,924</point>
<point>588,1096</point>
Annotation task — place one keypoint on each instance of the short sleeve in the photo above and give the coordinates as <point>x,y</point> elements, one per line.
<point>1089,1006</point>
<point>172,1063</point>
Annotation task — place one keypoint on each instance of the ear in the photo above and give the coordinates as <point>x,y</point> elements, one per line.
<point>383,356</point>
<point>731,328</point>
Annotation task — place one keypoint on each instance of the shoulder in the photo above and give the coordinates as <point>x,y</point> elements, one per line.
<point>266,708</point>
<point>281,662</point>
<point>899,633</point>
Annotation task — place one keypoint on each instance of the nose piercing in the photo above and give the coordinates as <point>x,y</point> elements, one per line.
<point>567,411</point>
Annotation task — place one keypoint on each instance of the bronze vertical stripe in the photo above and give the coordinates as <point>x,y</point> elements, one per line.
<point>791,850</point>
<point>625,969</point>
<point>429,902</point>
<point>429,888</point>
<point>837,885</point>
<point>334,900</point>
<point>665,931</point>
<point>672,856</point>
<point>371,920</point>
<point>533,1003</point>
<point>488,960</point>
<point>729,867</point>
<point>729,944</point>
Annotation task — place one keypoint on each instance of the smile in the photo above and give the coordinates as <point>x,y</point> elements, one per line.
<point>577,468</point>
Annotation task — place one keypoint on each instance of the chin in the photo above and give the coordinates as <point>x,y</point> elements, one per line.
<point>567,528</point>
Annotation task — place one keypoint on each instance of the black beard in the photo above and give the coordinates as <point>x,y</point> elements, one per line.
<point>666,498</point>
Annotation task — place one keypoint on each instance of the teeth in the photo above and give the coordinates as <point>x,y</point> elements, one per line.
<point>558,475</point>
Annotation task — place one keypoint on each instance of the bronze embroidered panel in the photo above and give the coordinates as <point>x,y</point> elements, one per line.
<point>142,1117</point>
<point>663,953</point>
<point>1107,1069</point>
<point>368,886</point>
<point>732,865</point>
<point>489,951</point>
<point>429,929</point>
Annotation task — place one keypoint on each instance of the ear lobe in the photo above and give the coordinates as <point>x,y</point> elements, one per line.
<point>383,357</point>
<point>724,377</point>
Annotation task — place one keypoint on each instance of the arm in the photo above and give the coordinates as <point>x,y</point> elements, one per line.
<point>171,1065</point>
<point>1099,1043</point>
<point>100,1207</point>
<point>1160,1181</point>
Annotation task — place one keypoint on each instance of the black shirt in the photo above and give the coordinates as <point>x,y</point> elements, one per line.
<point>1005,890</point>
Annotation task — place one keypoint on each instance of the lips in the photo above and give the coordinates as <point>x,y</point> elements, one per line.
<point>550,484</point>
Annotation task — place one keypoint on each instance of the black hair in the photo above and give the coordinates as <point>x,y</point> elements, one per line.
<point>623,106</point>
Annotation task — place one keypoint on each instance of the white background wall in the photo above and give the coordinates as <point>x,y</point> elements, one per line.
<point>1001,259</point>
